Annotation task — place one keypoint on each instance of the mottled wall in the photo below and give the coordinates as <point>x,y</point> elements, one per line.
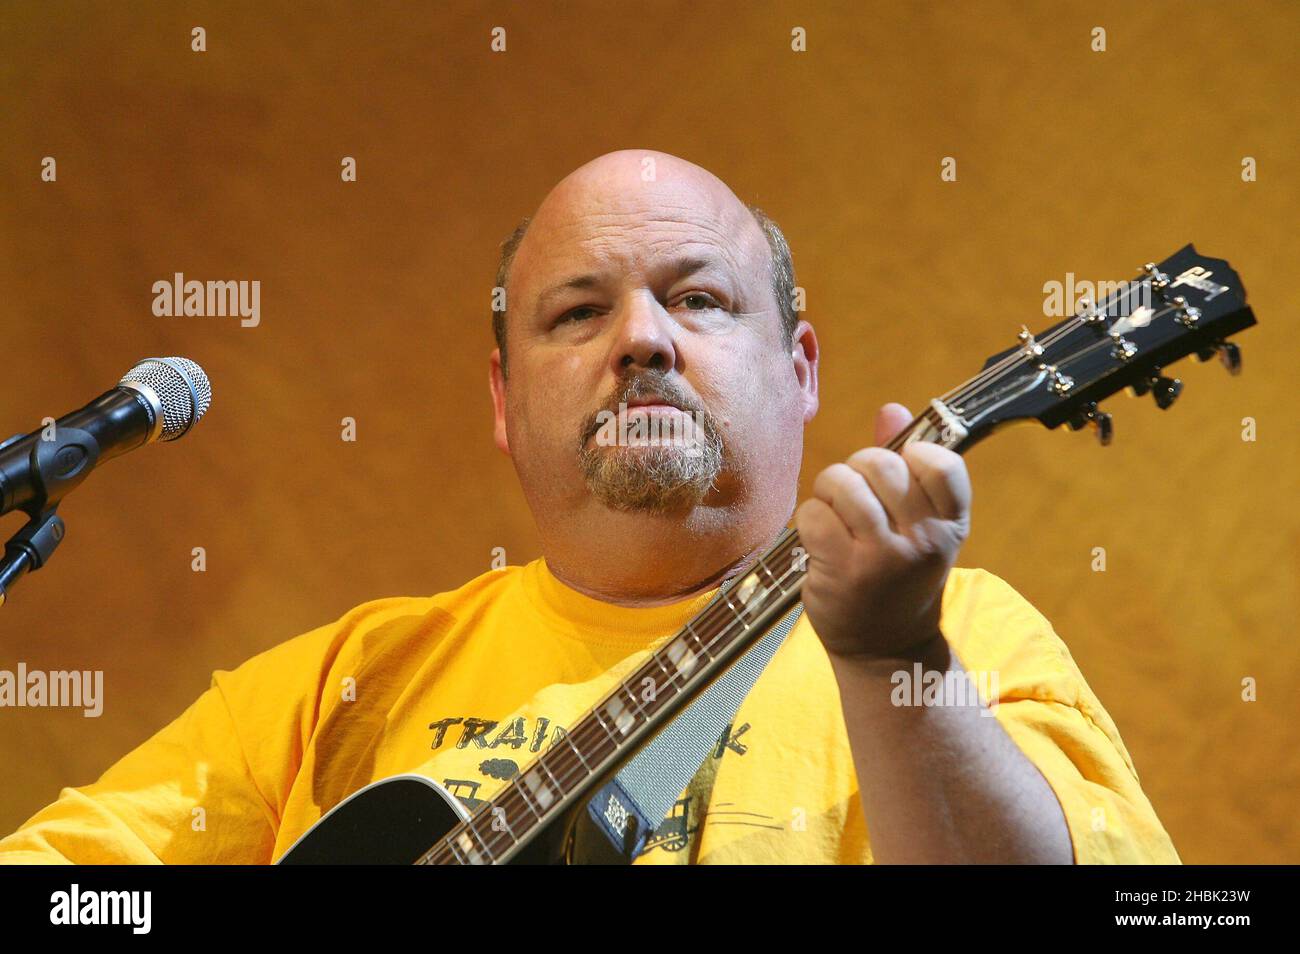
<point>375,295</point>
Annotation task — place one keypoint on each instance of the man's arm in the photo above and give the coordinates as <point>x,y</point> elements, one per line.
<point>943,783</point>
<point>184,796</point>
<point>210,787</point>
<point>882,533</point>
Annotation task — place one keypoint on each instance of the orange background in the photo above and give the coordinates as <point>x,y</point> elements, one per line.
<point>376,297</point>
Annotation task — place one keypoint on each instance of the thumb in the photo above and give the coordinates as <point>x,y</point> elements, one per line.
<point>891,419</point>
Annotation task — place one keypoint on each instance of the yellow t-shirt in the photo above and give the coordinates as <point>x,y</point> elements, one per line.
<point>468,686</point>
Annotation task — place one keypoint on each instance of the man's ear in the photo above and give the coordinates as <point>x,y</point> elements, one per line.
<point>497,381</point>
<point>804,352</point>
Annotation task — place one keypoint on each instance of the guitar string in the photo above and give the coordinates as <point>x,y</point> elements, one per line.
<point>1068,326</point>
<point>999,370</point>
<point>1065,363</point>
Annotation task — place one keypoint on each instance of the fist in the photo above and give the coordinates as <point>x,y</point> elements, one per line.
<point>881,532</point>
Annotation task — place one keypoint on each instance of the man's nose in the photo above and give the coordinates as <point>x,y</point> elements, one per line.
<point>644,336</point>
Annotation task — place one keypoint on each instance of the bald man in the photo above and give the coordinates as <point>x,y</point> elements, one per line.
<point>643,292</point>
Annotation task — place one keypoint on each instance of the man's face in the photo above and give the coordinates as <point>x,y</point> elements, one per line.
<point>653,299</point>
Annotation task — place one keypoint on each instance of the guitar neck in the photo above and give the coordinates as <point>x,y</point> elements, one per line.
<point>610,733</point>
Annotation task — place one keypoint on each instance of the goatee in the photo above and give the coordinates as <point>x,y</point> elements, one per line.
<point>663,473</point>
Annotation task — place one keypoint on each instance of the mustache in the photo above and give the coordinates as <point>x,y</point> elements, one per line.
<point>643,385</point>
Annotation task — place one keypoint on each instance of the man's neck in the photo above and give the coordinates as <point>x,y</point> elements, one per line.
<point>667,565</point>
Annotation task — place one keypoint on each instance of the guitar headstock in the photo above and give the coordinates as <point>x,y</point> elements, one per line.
<point>1187,304</point>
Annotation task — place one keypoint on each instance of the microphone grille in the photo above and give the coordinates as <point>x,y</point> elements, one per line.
<point>181,386</point>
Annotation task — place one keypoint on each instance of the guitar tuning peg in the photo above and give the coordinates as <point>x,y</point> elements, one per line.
<point>1230,355</point>
<point>1100,420</point>
<point>1105,429</point>
<point>1166,391</point>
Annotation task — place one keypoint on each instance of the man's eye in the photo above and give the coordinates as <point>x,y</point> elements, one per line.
<point>575,314</point>
<point>706,301</point>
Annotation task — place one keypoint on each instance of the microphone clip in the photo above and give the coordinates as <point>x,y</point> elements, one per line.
<point>30,548</point>
<point>58,465</point>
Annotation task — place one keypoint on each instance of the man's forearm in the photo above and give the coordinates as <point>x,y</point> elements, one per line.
<point>943,783</point>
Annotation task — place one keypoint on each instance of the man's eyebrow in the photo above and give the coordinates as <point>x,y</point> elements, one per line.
<point>578,281</point>
<point>677,269</point>
<point>690,264</point>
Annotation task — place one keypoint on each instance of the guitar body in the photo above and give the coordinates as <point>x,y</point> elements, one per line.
<point>394,821</point>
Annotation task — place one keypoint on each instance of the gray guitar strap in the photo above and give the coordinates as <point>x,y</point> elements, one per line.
<point>622,817</point>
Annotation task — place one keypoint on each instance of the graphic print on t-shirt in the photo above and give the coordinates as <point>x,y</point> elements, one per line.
<point>509,746</point>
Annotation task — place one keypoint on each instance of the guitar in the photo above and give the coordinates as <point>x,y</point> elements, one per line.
<point>1188,304</point>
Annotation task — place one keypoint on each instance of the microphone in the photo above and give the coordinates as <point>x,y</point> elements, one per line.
<point>158,399</point>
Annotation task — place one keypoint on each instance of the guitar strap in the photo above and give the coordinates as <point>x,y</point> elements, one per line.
<point>621,818</point>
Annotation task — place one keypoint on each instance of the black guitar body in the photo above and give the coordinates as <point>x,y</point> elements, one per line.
<point>396,820</point>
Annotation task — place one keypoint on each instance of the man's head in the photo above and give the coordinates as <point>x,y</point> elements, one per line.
<point>641,279</point>
<point>781,267</point>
